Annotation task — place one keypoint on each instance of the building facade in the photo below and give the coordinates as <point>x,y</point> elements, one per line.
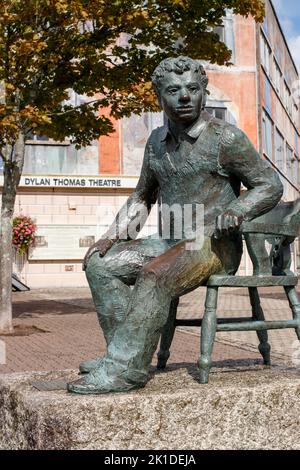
<point>260,94</point>
<point>74,194</point>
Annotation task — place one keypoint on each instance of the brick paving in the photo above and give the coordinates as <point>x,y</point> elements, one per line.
<point>64,330</point>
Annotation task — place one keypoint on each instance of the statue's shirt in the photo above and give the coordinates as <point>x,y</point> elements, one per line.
<point>206,165</point>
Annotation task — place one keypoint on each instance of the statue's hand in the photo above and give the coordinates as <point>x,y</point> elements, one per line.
<point>101,246</point>
<point>227,224</point>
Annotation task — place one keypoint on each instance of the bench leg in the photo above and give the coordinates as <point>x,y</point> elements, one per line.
<point>208,332</point>
<point>294,302</point>
<point>258,315</point>
<point>167,336</point>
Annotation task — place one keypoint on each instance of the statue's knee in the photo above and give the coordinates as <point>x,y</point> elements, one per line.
<point>94,264</point>
<point>150,271</point>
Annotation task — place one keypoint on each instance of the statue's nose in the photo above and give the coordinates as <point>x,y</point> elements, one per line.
<point>184,96</point>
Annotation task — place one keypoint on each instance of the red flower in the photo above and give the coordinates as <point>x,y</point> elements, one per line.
<point>24,230</point>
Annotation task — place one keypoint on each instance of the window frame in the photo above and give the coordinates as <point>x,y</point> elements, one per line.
<point>217,108</point>
<point>283,146</point>
<point>268,143</point>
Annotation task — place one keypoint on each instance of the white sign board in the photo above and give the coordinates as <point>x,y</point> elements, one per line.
<point>87,182</point>
<point>64,242</point>
<point>71,242</point>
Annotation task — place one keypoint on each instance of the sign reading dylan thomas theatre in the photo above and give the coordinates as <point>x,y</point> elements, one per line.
<point>87,182</point>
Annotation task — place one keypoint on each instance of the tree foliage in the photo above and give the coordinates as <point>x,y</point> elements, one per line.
<point>106,48</point>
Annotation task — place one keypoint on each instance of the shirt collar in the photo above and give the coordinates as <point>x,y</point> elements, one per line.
<point>193,131</point>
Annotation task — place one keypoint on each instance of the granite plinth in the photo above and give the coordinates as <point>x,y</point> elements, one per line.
<point>246,408</point>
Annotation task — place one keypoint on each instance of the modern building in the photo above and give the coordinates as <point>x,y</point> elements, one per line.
<point>260,94</point>
<point>74,194</point>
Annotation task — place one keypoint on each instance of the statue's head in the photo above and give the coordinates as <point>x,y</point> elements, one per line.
<point>181,87</point>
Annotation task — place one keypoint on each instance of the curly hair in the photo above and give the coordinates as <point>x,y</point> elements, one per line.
<point>178,65</point>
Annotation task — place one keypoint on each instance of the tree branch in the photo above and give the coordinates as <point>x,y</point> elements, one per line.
<point>2,155</point>
<point>75,107</point>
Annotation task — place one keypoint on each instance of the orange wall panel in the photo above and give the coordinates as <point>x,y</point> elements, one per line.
<point>240,88</point>
<point>245,41</point>
<point>110,150</point>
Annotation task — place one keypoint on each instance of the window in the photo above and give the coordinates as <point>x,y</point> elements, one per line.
<point>38,138</point>
<point>230,33</point>
<point>287,98</point>
<point>279,151</point>
<point>44,156</point>
<point>278,55</point>
<point>287,76</point>
<point>289,162</point>
<point>265,53</point>
<point>267,135</point>
<point>266,26</point>
<point>135,132</point>
<point>75,99</point>
<point>219,113</point>
<point>45,159</point>
<point>268,100</point>
<point>220,31</point>
<point>295,113</point>
<point>54,159</point>
<point>296,144</point>
<point>226,32</point>
<point>294,171</point>
<point>277,78</point>
<point>292,164</point>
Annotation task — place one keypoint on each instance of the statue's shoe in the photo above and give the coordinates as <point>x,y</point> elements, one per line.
<point>97,383</point>
<point>87,366</point>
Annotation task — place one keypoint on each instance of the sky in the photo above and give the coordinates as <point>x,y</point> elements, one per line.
<point>288,12</point>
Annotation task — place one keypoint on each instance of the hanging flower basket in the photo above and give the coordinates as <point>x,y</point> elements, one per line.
<point>24,230</point>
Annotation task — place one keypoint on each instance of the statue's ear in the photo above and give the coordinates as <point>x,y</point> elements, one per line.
<point>204,100</point>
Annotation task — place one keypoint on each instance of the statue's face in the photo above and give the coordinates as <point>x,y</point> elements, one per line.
<point>181,96</point>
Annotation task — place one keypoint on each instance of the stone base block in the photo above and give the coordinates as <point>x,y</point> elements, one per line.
<point>249,408</point>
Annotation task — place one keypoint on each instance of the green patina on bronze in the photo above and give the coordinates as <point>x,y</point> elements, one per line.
<point>195,158</point>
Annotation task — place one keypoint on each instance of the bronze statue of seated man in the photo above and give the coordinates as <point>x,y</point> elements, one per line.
<point>194,159</point>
